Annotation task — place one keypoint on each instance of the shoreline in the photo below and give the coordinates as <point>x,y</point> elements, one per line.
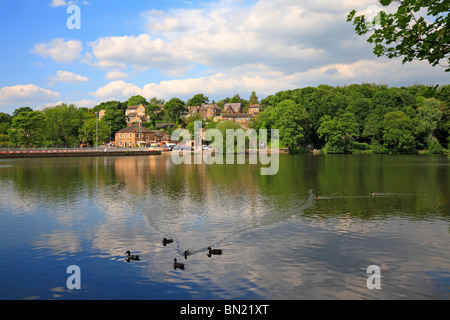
<point>74,153</point>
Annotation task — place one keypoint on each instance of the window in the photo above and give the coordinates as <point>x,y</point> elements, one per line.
<point>120,143</point>
<point>121,135</point>
<point>131,136</point>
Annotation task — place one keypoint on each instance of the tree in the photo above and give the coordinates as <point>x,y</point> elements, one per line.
<point>88,132</point>
<point>113,104</point>
<point>114,117</point>
<point>253,99</point>
<point>405,33</point>
<point>115,120</point>
<point>290,121</point>
<point>198,100</point>
<point>430,116</point>
<point>28,128</point>
<point>153,110</point>
<point>339,132</point>
<point>175,108</point>
<point>137,100</point>
<point>398,132</point>
<point>63,123</point>
<point>19,110</point>
<point>223,127</point>
<point>5,122</point>
<point>360,108</point>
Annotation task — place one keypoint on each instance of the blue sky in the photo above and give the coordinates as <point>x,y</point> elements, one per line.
<point>172,48</point>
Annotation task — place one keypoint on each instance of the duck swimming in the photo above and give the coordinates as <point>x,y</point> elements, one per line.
<point>214,251</point>
<point>166,241</point>
<point>186,253</point>
<point>177,264</point>
<point>132,256</point>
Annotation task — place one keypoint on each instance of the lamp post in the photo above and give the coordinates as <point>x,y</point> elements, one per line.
<point>96,130</point>
<point>110,132</point>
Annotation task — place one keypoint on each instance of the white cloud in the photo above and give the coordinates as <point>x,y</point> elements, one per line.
<point>60,3</point>
<point>215,85</point>
<point>117,90</point>
<point>265,80</point>
<point>141,52</point>
<point>60,50</point>
<point>116,75</point>
<point>20,95</point>
<point>67,77</point>
<point>286,34</point>
<point>269,42</point>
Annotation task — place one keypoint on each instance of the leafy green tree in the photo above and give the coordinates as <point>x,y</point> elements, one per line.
<point>223,126</point>
<point>429,121</point>
<point>28,128</point>
<point>4,140</point>
<point>360,108</point>
<point>156,101</point>
<point>198,100</point>
<point>19,110</point>
<point>398,132</point>
<point>253,99</point>
<point>114,117</point>
<point>62,124</point>
<point>382,102</point>
<point>320,103</point>
<point>90,129</point>
<point>175,109</point>
<point>430,116</point>
<point>290,119</point>
<point>5,122</point>
<point>409,32</point>
<point>137,100</point>
<point>339,132</point>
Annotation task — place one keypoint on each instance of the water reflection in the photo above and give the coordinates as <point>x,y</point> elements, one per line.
<point>278,240</point>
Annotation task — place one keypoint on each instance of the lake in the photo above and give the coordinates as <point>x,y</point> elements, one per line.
<point>309,232</point>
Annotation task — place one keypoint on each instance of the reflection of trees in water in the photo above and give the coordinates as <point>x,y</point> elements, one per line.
<point>152,178</point>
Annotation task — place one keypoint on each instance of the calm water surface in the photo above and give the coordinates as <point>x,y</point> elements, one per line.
<point>279,241</point>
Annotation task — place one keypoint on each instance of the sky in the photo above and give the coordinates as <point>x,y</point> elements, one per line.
<point>179,48</point>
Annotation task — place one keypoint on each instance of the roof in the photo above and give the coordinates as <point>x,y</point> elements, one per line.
<point>164,125</point>
<point>236,107</point>
<point>209,106</point>
<point>135,129</point>
<point>237,115</point>
<point>134,107</point>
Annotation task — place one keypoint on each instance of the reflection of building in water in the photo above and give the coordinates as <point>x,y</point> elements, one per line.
<point>140,172</point>
<point>202,183</point>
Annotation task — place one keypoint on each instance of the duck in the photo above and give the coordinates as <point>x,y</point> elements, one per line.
<point>317,197</point>
<point>166,241</point>
<point>132,256</point>
<point>214,251</point>
<point>187,253</point>
<point>373,194</point>
<point>177,264</point>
